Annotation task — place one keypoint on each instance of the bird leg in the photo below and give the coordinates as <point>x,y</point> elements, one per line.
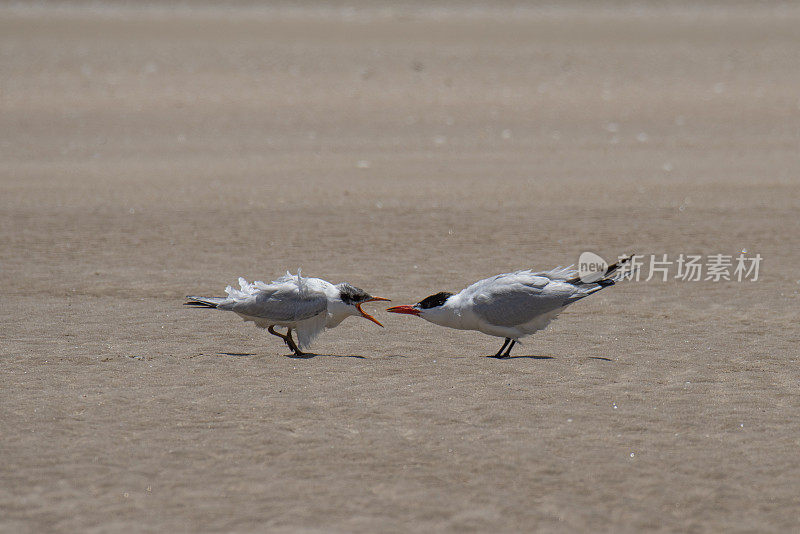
<point>508,350</point>
<point>500,352</point>
<point>271,330</point>
<point>292,346</point>
<point>286,339</point>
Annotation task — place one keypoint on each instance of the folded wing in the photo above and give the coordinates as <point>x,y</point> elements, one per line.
<point>518,298</point>
<point>284,301</point>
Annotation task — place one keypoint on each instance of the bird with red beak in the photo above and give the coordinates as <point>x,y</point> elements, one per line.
<point>511,305</point>
<point>305,305</point>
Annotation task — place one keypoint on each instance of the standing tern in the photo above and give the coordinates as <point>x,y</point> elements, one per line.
<point>510,305</point>
<point>307,305</point>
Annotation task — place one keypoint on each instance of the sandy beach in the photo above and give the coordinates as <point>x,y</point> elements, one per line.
<point>148,153</point>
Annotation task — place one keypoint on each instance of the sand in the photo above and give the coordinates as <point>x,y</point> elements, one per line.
<point>152,152</point>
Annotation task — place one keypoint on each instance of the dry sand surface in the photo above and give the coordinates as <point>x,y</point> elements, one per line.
<point>150,153</point>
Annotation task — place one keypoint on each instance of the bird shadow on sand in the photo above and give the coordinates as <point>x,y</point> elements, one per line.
<point>541,357</point>
<point>310,355</point>
<point>306,356</point>
<point>526,356</point>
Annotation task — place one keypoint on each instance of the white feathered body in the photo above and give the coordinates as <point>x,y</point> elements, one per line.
<point>307,305</point>
<point>511,305</point>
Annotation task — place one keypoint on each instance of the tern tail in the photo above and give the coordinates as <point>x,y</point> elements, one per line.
<point>611,276</point>
<point>204,302</point>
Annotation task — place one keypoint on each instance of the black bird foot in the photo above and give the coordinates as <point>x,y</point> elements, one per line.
<point>288,340</point>
<point>500,354</point>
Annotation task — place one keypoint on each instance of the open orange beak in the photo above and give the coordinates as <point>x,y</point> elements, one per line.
<point>408,310</point>
<point>365,315</point>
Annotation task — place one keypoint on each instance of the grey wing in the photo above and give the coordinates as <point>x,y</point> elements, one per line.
<point>284,304</point>
<point>559,273</point>
<point>519,303</point>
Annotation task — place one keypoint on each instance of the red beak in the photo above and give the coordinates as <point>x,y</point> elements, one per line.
<point>406,309</point>
<point>365,315</point>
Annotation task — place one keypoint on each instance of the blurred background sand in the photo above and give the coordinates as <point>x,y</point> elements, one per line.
<point>152,151</point>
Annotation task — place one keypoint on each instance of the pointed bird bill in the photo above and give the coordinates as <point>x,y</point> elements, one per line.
<point>365,315</point>
<point>406,309</point>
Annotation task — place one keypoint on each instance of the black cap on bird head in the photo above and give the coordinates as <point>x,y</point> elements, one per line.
<point>427,303</point>
<point>351,294</point>
<point>355,296</point>
<point>434,300</point>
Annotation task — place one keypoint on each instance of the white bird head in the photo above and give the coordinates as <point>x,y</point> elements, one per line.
<point>430,308</point>
<point>352,298</point>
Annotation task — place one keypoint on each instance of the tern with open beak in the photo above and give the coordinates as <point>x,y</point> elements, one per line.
<point>306,305</point>
<point>511,305</point>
